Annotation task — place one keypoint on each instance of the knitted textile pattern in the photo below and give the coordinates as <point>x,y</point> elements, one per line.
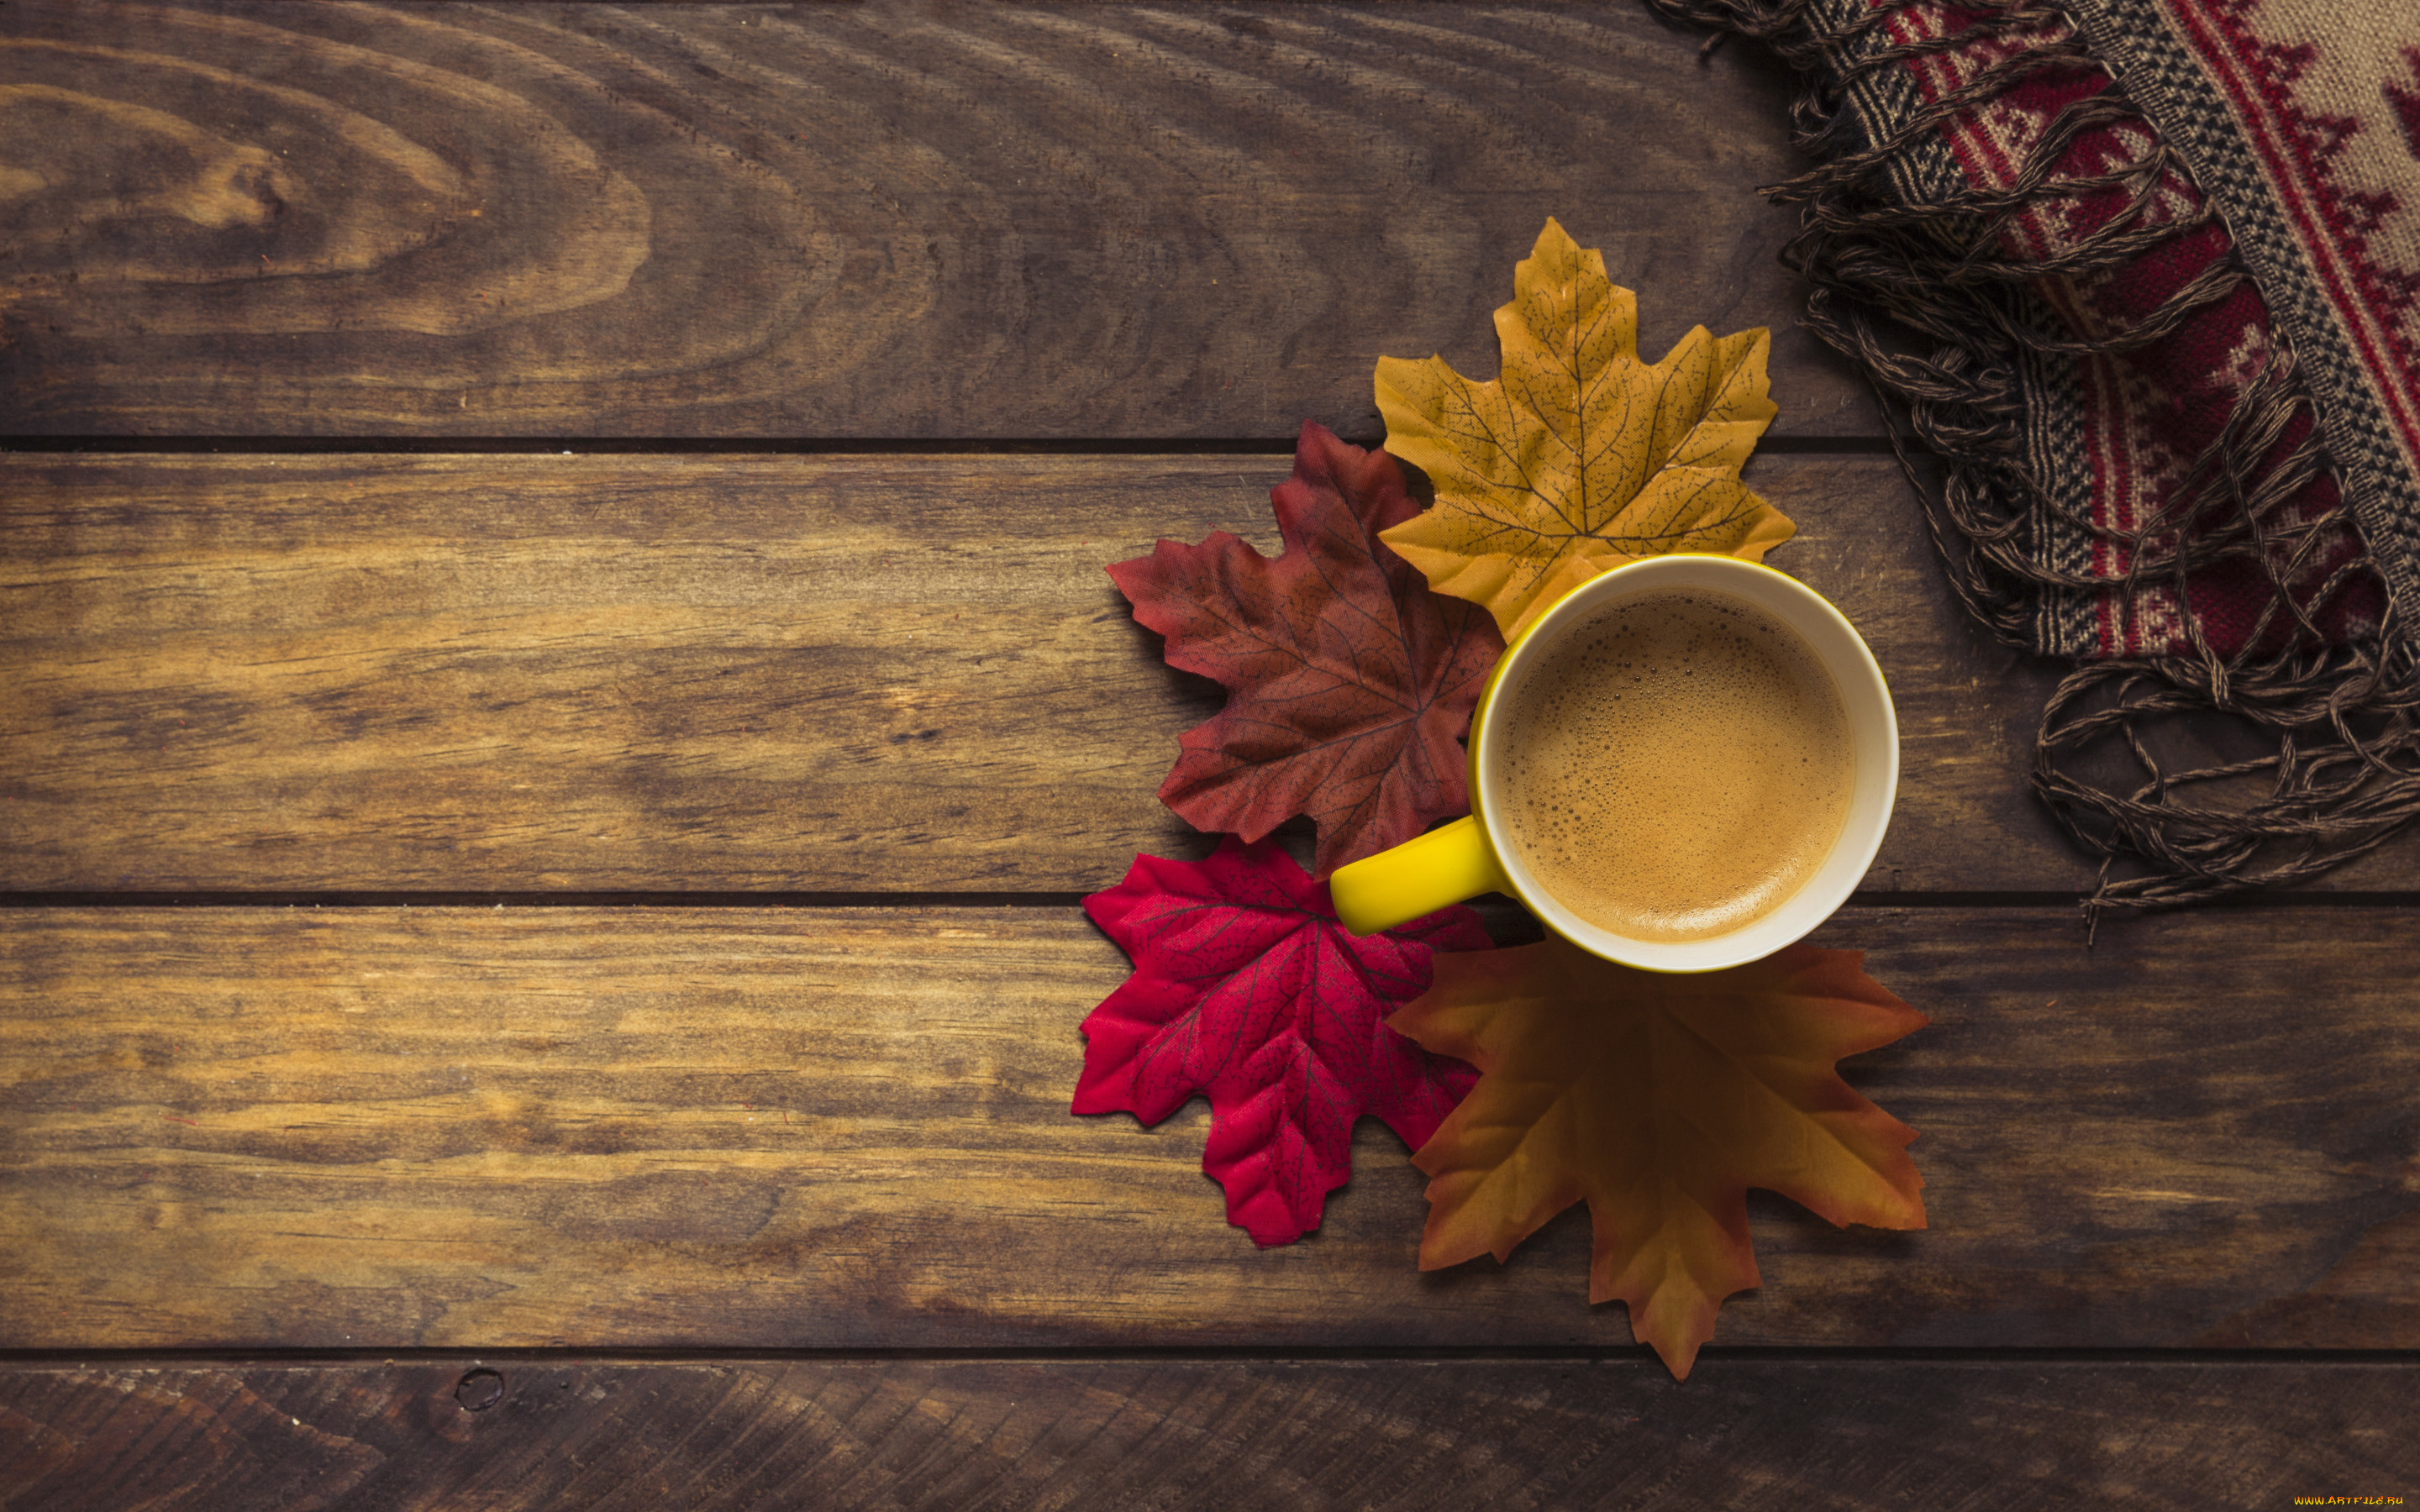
<point>2144,277</point>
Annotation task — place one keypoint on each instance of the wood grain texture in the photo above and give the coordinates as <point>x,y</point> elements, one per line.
<point>901,218</point>
<point>796,673</point>
<point>847,1129</point>
<point>1173,1434</point>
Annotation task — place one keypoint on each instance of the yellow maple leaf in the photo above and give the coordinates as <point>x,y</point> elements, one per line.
<point>1659,1100</point>
<point>1579,457</point>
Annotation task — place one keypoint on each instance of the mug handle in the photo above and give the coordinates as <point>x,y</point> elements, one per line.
<point>1420,876</point>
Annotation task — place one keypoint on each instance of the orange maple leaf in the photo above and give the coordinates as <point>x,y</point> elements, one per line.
<point>1660,1099</point>
<point>1580,457</point>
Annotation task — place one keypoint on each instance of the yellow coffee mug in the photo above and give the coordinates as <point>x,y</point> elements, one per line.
<point>1470,856</point>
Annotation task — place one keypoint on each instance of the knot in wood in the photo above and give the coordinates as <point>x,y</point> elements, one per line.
<point>479,1390</point>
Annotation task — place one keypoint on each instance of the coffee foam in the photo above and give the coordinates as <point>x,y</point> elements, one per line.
<point>1677,767</point>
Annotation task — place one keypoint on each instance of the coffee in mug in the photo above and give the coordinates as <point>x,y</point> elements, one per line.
<point>1679,764</point>
<point>1683,764</point>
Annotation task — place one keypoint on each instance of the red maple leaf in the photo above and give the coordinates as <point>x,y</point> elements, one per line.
<point>1349,683</point>
<point>1247,988</point>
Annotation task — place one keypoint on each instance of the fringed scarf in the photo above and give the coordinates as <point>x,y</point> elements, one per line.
<point>2141,277</point>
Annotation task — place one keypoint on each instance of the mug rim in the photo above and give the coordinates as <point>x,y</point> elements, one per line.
<point>1844,866</point>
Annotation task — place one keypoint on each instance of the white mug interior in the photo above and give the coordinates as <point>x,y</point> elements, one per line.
<point>1873,734</point>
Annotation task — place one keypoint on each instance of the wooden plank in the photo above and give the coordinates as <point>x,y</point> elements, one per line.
<point>1400,1434</point>
<point>847,1129</point>
<point>817,673</point>
<point>907,218</point>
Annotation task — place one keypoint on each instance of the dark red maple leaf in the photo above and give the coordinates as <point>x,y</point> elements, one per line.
<point>1348,682</point>
<point>1247,988</point>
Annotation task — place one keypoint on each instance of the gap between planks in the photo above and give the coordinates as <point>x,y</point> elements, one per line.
<point>625,1357</point>
<point>1282,446</point>
<point>2247,902</point>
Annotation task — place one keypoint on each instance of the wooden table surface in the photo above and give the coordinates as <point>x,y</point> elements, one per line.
<point>558,700</point>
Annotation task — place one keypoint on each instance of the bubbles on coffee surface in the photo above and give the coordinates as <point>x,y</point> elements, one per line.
<point>1676,768</point>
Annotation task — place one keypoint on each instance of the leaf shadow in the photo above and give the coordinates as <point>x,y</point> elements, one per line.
<point>1201,697</point>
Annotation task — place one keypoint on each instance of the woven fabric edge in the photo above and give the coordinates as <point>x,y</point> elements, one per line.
<point>2342,721</point>
<point>2168,87</point>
